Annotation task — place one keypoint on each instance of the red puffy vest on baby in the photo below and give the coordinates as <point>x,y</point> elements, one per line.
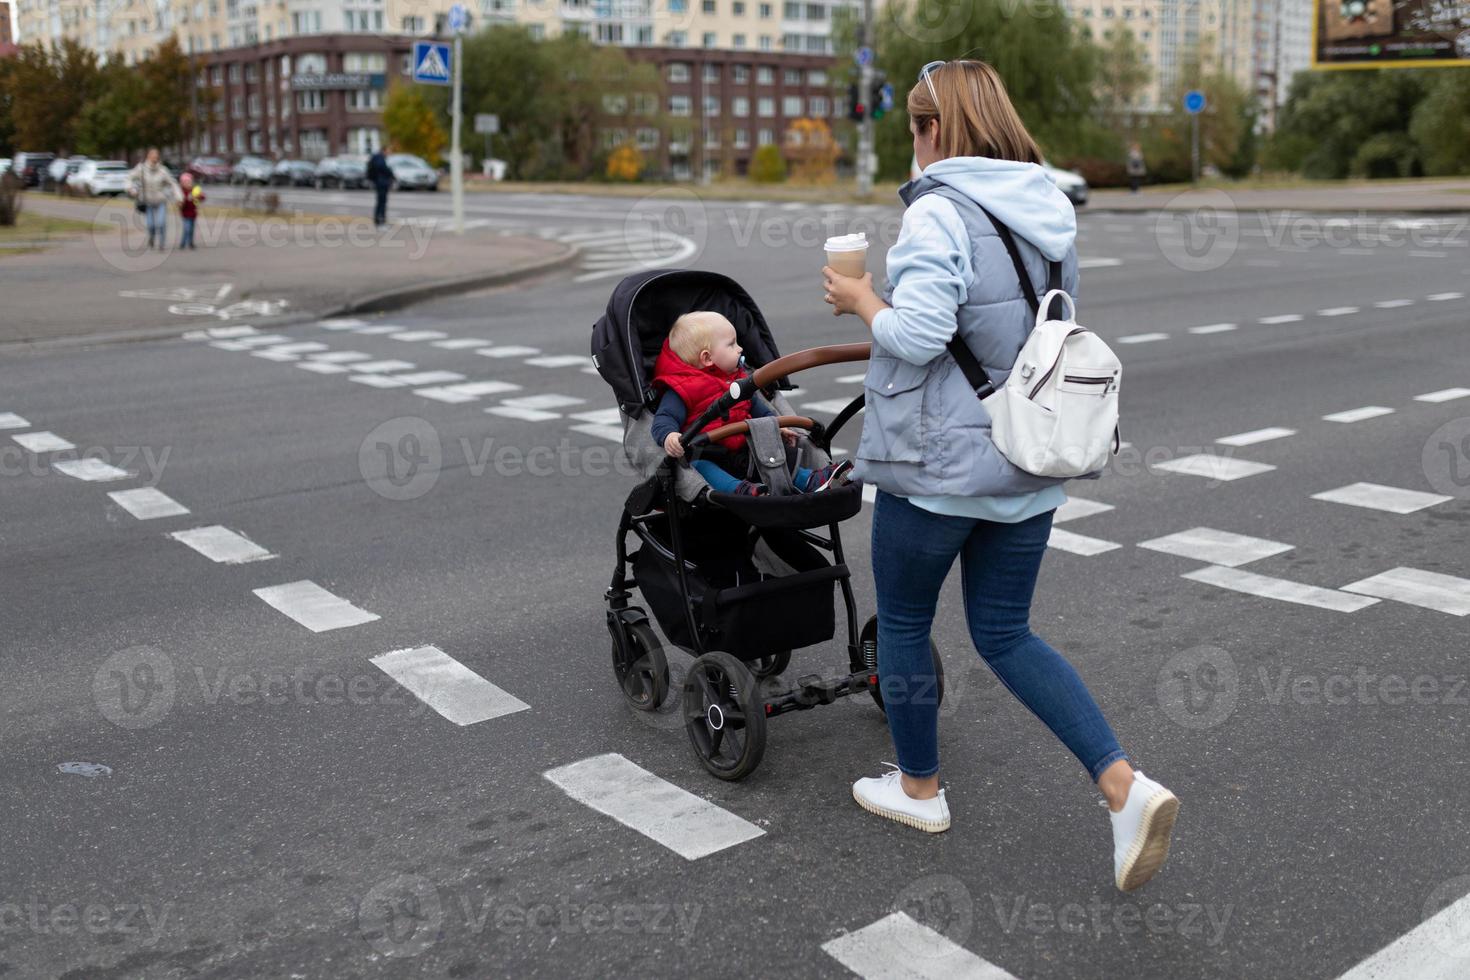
<point>698,388</point>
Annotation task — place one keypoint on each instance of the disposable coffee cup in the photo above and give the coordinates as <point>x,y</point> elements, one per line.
<point>848,254</point>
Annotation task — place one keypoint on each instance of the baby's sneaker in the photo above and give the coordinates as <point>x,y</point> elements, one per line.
<point>831,475</point>
<point>1141,832</point>
<point>884,796</point>
<point>749,489</point>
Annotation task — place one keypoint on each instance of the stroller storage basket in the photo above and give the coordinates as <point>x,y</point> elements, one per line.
<point>802,510</point>
<point>741,609</point>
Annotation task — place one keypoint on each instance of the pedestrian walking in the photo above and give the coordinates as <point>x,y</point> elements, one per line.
<point>153,188</point>
<point>193,196</point>
<point>944,490</point>
<point>380,175</point>
<point>1137,169</point>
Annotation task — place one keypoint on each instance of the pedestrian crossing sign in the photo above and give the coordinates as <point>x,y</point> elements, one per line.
<point>431,64</point>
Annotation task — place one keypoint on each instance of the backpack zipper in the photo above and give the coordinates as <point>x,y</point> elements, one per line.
<point>1088,381</point>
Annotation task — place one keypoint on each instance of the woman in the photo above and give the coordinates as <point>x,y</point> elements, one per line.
<point>944,489</point>
<point>154,188</point>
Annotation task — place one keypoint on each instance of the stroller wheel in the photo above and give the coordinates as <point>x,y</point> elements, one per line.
<point>764,667</point>
<point>868,643</point>
<point>640,665</point>
<point>725,716</point>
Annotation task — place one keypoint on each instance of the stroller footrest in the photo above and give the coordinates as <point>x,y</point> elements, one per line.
<point>814,689</point>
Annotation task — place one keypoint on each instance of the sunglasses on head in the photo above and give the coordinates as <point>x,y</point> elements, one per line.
<point>924,74</point>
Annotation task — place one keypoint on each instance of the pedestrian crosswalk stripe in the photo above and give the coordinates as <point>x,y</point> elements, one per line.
<point>43,442</point>
<point>303,347</point>
<point>508,351</point>
<point>376,380</point>
<point>1375,496</point>
<point>559,360</point>
<point>1214,467</point>
<point>461,343</point>
<point>832,406</point>
<point>382,367</point>
<point>323,367</point>
<point>340,357</point>
<point>1255,436</point>
<point>898,946</point>
<point>612,433</point>
<point>684,823</point>
<point>147,503</point>
<point>480,388</point>
<point>1445,395</point>
<point>447,395</point>
<point>274,355</point>
<point>1358,414</point>
<point>1250,583</point>
<point>603,416</point>
<point>1215,547</point>
<point>1393,304</point>
<point>1338,311</point>
<point>220,544</point>
<point>1077,508</point>
<point>1436,949</point>
<point>448,686</point>
<point>341,323</point>
<point>375,331</point>
<point>543,401</point>
<point>1078,544</point>
<point>9,420</point>
<point>524,414</point>
<point>1431,590</point>
<point>229,345</point>
<point>261,340</point>
<point>313,606</point>
<point>429,377</point>
<point>90,469</point>
<point>413,336</point>
<point>1099,263</point>
<point>851,379</point>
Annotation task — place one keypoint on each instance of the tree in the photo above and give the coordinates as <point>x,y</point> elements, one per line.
<point>768,166</point>
<point>812,151</point>
<point>8,146</point>
<point>1225,127</point>
<point>105,127</point>
<point>412,124</point>
<point>49,90</point>
<point>1440,124</point>
<point>1330,116</point>
<point>625,163</point>
<point>165,113</point>
<point>1121,76</point>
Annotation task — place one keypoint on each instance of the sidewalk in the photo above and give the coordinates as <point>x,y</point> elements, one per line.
<point>1416,196</point>
<point>106,285</point>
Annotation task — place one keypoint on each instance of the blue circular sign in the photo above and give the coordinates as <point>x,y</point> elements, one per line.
<point>458,16</point>
<point>1194,101</point>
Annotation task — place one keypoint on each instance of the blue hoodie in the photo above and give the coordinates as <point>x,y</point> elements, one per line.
<point>930,272</point>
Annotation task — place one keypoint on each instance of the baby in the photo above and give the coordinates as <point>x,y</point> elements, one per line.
<point>697,364</point>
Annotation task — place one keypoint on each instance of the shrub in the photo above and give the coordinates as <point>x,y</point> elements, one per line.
<point>768,166</point>
<point>10,199</point>
<point>625,163</point>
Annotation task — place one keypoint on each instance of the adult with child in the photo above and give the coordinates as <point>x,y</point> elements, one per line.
<point>154,189</point>
<point>193,196</point>
<point>944,490</point>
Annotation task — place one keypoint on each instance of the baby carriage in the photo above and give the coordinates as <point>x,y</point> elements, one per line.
<point>739,581</point>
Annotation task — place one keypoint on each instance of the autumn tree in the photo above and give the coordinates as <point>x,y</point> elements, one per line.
<point>812,151</point>
<point>49,89</point>
<point>412,124</point>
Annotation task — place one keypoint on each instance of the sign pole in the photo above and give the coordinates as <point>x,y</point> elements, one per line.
<point>1194,126</point>
<point>456,161</point>
<point>865,127</point>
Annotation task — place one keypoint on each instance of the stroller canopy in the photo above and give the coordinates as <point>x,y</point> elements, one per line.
<point>643,308</point>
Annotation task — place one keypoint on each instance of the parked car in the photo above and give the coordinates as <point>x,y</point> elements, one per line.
<point>343,171</point>
<point>293,173</point>
<point>4,166</point>
<point>412,173</point>
<point>252,170</point>
<point>1074,185</point>
<point>31,167</point>
<point>96,177</point>
<point>209,170</point>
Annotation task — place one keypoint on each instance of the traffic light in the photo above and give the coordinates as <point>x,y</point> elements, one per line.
<point>880,97</point>
<point>856,107</point>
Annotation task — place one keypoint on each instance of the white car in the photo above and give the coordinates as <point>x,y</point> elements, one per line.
<point>4,166</point>
<point>97,177</point>
<point>412,173</point>
<point>1074,185</point>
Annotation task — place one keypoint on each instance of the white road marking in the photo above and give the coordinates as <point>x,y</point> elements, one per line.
<point>448,686</point>
<point>376,380</point>
<point>1375,496</point>
<point>1435,949</point>
<point>1420,253</point>
<point>460,343</point>
<point>559,360</point>
<point>831,405</point>
<point>340,357</point>
<point>1431,590</point>
<point>1213,328</point>
<point>1393,304</point>
<point>1358,414</point>
<point>603,416</point>
<point>258,340</point>
<point>1280,318</point>
<point>273,355</point>
<point>1078,544</point>
<point>1103,263</point>
<point>1442,297</point>
<point>1339,311</point>
<point>684,823</point>
<point>378,331</point>
<point>1255,436</point>
<point>413,336</point>
<point>1215,547</point>
<point>9,420</point>
<point>147,503</point>
<point>222,333</point>
<point>341,323</point>
<point>382,367</point>
<point>1214,467</point>
<point>1143,338</point>
<point>322,367</point>
<point>1250,583</point>
<point>543,401</point>
<point>447,395</point>
<point>589,370</point>
<point>479,388</point>
<point>508,351</point>
<point>302,347</point>
<point>90,469</point>
<point>851,379</point>
<point>612,433</point>
<point>524,414</point>
<point>218,543</point>
<point>897,947</point>
<point>1077,508</point>
<point>313,606</point>
<point>1444,395</point>
<point>43,442</point>
<point>230,345</point>
<point>429,377</point>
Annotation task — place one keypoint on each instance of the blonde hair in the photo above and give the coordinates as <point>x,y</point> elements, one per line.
<point>695,332</point>
<point>976,118</point>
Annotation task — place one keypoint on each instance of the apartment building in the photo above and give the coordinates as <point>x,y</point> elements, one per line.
<point>7,32</point>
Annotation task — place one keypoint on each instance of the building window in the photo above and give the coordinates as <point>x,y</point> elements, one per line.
<point>711,139</point>
<point>679,71</point>
<point>414,25</point>
<point>819,106</point>
<point>538,31</point>
<point>740,107</point>
<point>742,139</point>
<point>816,11</point>
<point>609,33</point>
<point>738,8</point>
<point>255,105</point>
<point>765,75</point>
<point>216,76</point>
<point>311,101</point>
<point>766,137</point>
<point>766,44</point>
<point>252,73</point>
<point>708,6</point>
<point>816,78</point>
<point>647,138</point>
<point>737,41</point>
<point>314,144</point>
<point>678,39</point>
<point>239,141</point>
<point>711,105</point>
<point>306,22</point>
<point>234,74</point>
<point>364,139</point>
<point>791,106</point>
<point>364,99</point>
<point>711,73</point>
<point>614,138</point>
<point>678,6</point>
<point>614,105</point>
<point>363,61</point>
<point>765,107</point>
<point>709,39</point>
<point>679,105</point>
<point>645,104</point>
<point>740,74</point>
<point>311,64</point>
<point>237,106</point>
<point>791,76</point>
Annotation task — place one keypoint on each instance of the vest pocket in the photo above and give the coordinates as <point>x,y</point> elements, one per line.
<point>893,429</point>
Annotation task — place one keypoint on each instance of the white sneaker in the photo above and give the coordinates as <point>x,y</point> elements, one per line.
<point>1141,832</point>
<point>884,796</point>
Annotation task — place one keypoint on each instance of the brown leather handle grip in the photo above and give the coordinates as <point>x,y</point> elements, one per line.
<point>812,357</point>
<point>740,428</point>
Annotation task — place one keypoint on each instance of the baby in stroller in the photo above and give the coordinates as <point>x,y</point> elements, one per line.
<point>697,364</point>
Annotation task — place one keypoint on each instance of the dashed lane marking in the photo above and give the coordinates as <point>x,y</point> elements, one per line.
<point>508,351</point>
<point>684,823</point>
<point>1143,338</point>
<point>1266,587</point>
<point>1079,544</point>
<point>313,606</point>
<point>1393,304</point>
<point>43,442</point>
<point>1077,508</point>
<point>90,469</point>
<point>1339,311</point>
<point>1255,436</point>
<point>147,503</point>
<point>898,946</point>
<point>1213,328</point>
<point>448,686</point>
<point>9,420</point>
<point>1375,496</point>
<point>220,544</point>
<point>1430,590</point>
<point>1280,318</point>
<point>1444,395</point>
<point>1216,547</point>
<point>1214,467</point>
<point>1443,297</point>
<point>1358,414</point>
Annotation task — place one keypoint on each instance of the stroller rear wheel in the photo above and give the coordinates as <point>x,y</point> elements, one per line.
<point>639,663</point>
<point>868,643</point>
<point>725,716</point>
<point>764,667</point>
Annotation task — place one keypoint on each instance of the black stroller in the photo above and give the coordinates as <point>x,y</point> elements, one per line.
<point>738,581</point>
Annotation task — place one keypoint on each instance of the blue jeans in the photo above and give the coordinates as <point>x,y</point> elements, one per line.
<point>913,550</point>
<point>188,240</point>
<point>156,218</point>
<point>721,481</point>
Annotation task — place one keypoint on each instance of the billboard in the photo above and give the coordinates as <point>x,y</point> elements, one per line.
<point>1390,33</point>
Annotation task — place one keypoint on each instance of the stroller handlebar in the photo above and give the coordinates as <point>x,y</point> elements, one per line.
<point>740,428</point>
<point>782,367</point>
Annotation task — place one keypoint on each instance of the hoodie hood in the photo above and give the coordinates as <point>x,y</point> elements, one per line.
<point>1019,194</point>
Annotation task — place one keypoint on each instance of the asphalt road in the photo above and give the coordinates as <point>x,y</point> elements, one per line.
<point>276,804</point>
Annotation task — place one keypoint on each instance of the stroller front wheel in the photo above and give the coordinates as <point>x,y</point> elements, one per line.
<point>725,716</point>
<point>868,643</point>
<point>639,664</point>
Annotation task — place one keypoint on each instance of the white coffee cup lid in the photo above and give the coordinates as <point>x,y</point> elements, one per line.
<point>847,243</point>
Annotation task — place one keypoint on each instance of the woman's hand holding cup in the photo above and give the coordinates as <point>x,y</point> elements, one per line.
<point>844,293</point>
